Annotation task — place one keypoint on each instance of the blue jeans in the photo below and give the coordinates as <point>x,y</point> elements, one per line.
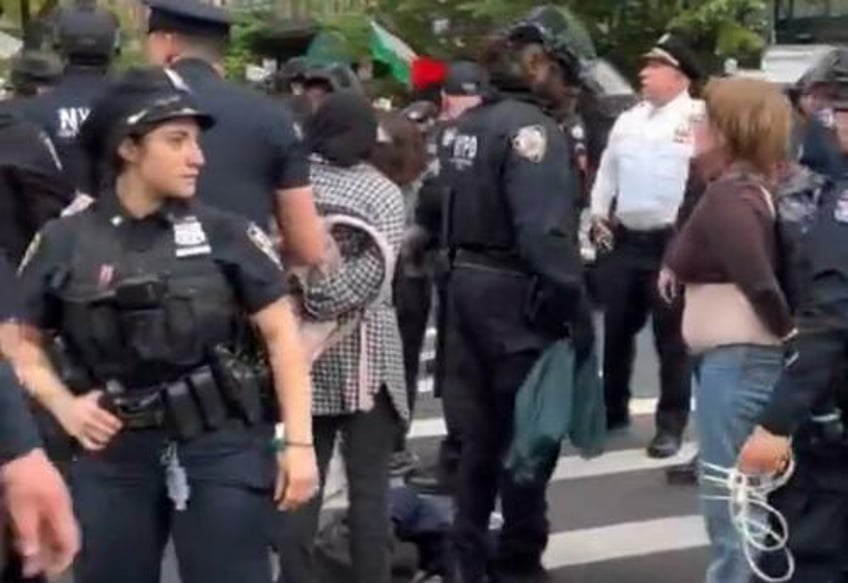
<point>734,384</point>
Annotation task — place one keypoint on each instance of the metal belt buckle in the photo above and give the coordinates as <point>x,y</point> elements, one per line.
<point>139,412</point>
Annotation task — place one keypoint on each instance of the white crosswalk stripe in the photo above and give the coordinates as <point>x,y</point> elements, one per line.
<point>660,521</point>
<point>669,530</point>
<point>614,519</point>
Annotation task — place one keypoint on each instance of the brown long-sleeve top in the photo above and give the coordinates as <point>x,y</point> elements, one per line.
<point>730,238</point>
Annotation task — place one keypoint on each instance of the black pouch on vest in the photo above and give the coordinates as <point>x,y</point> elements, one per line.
<point>107,341</point>
<point>183,412</point>
<point>213,409</point>
<point>144,320</point>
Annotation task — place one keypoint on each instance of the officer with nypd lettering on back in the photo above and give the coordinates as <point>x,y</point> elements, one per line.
<point>256,163</point>
<point>87,38</point>
<point>514,289</point>
<point>168,311</point>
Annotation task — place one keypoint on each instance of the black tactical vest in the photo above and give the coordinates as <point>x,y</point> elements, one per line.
<point>144,315</point>
<point>478,215</point>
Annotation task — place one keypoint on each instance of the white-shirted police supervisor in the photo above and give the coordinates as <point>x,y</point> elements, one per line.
<point>634,202</point>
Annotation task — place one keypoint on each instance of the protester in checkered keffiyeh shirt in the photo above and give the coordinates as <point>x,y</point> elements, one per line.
<point>358,384</point>
<point>336,374</point>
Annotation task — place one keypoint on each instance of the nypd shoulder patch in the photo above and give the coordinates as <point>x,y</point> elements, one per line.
<point>531,142</point>
<point>263,242</point>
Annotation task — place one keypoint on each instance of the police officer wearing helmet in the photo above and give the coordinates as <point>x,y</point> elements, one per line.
<point>86,37</point>
<point>288,86</point>
<point>514,289</point>
<point>805,418</point>
<point>291,76</point>
<point>463,89</point>
<point>256,164</point>
<point>32,73</point>
<point>155,297</point>
<point>546,25</point>
<point>33,185</point>
<point>321,80</point>
<point>635,199</point>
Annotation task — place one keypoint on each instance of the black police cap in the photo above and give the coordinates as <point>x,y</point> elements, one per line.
<point>35,66</point>
<point>464,78</point>
<point>85,29</point>
<point>673,51</point>
<point>135,105</point>
<point>189,17</point>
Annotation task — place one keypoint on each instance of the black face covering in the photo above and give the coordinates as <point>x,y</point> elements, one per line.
<point>343,130</point>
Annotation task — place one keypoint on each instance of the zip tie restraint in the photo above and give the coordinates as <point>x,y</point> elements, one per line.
<point>747,493</point>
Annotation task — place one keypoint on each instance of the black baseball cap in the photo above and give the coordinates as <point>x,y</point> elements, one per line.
<point>465,78</point>
<point>674,52</point>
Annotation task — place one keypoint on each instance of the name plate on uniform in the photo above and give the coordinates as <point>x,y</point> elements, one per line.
<point>190,238</point>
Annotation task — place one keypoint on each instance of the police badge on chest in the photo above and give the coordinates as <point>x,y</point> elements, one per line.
<point>683,134</point>
<point>190,238</point>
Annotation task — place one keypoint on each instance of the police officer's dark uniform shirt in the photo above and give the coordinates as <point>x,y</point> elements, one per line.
<point>90,253</point>
<point>252,152</point>
<point>33,188</point>
<point>18,432</point>
<point>820,149</point>
<point>509,149</point>
<point>428,207</point>
<point>816,358</point>
<point>62,111</point>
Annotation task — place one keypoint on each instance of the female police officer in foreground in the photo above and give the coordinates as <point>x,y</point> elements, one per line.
<point>149,291</point>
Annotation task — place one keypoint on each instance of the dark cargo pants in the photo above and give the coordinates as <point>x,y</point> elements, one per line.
<point>122,504</point>
<point>490,348</point>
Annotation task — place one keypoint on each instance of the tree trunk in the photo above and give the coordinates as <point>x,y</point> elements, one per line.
<point>25,19</point>
<point>36,28</point>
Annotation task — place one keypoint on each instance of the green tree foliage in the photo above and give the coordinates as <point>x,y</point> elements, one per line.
<point>621,29</point>
<point>247,25</point>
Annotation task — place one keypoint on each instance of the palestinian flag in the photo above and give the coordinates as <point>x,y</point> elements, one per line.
<point>403,62</point>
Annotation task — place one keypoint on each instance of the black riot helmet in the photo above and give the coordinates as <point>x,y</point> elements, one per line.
<point>560,34</point>
<point>332,77</point>
<point>32,70</point>
<point>86,34</point>
<point>135,105</point>
<point>293,71</point>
